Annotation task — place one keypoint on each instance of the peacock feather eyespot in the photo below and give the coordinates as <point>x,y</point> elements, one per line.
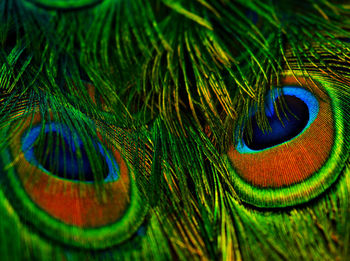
<point>76,189</point>
<point>301,154</point>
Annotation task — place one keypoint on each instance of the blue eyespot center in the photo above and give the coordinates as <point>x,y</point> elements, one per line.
<point>296,108</point>
<point>292,121</point>
<point>56,155</point>
<point>60,152</point>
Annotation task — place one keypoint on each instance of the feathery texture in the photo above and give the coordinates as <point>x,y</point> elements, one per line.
<point>174,130</point>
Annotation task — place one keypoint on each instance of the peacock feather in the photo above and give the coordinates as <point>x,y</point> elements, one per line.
<point>174,130</point>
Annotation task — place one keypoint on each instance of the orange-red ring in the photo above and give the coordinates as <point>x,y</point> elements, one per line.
<point>74,203</point>
<point>293,161</point>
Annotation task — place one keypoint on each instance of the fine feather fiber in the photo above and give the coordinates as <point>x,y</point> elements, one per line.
<point>127,130</point>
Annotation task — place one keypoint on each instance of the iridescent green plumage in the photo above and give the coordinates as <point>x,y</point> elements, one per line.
<point>170,86</point>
